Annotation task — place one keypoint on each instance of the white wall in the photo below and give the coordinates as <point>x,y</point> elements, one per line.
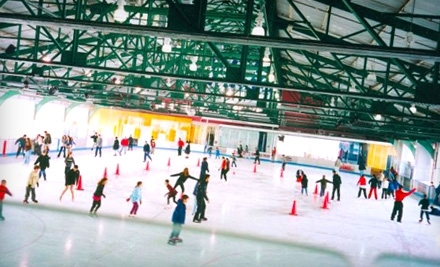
<point>423,164</point>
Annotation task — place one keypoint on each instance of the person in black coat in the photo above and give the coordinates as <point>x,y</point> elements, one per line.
<point>43,162</point>
<point>201,196</point>
<point>183,176</point>
<point>304,183</point>
<point>257,156</point>
<point>336,185</point>
<point>187,149</point>
<point>374,182</point>
<point>72,177</point>
<point>147,150</point>
<point>204,168</point>
<point>116,146</point>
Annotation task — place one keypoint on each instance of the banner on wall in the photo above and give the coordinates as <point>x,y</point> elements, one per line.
<point>377,156</point>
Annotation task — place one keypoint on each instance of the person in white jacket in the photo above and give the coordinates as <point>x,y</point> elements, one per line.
<point>385,185</point>
<point>31,184</point>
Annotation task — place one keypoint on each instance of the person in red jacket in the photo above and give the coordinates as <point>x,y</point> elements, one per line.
<point>398,205</point>
<point>3,191</point>
<point>180,145</point>
<point>124,146</point>
<point>362,183</point>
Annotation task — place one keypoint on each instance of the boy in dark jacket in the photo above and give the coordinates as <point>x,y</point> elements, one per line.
<point>304,182</point>
<point>43,161</point>
<point>178,220</point>
<point>424,203</point>
<point>323,183</point>
<point>147,150</point>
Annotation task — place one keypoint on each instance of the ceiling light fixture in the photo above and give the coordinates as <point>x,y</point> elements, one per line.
<point>271,77</point>
<point>166,47</point>
<point>229,92</point>
<point>266,58</point>
<point>377,117</point>
<point>258,29</point>
<point>116,81</point>
<point>46,58</point>
<point>371,77</point>
<point>120,14</point>
<point>193,66</point>
<point>413,108</point>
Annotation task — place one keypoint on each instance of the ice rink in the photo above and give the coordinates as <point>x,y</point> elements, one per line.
<point>248,219</point>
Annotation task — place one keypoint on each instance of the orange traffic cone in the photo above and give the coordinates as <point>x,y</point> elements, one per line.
<point>293,211</point>
<point>316,190</point>
<point>79,184</point>
<point>147,168</point>
<point>198,162</point>
<point>169,162</point>
<point>117,169</point>
<point>255,167</point>
<point>105,173</point>
<point>281,174</point>
<point>325,202</point>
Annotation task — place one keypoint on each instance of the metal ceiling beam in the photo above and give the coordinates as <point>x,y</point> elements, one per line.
<point>228,38</point>
<point>378,39</point>
<point>296,88</point>
<point>392,20</point>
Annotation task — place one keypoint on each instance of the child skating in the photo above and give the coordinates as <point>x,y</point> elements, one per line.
<point>424,203</point>
<point>178,220</point>
<point>3,191</point>
<point>31,184</point>
<point>136,199</point>
<point>99,192</point>
<point>171,193</point>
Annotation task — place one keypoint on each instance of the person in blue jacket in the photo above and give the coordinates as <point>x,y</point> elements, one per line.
<point>178,220</point>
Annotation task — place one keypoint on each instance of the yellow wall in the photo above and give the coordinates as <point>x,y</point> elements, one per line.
<point>112,120</point>
<point>377,156</point>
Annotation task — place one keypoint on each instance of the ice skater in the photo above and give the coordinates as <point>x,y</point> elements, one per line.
<point>99,192</point>
<point>183,176</point>
<point>201,196</point>
<point>171,193</point>
<point>336,185</point>
<point>135,198</point>
<point>178,220</point>
<point>374,182</point>
<point>385,185</point>
<point>147,150</point>
<point>43,162</point>
<point>424,203</point>
<point>304,183</point>
<point>362,183</point>
<point>3,191</point>
<point>323,182</point>
<point>398,204</point>
<point>72,177</point>
<point>31,184</point>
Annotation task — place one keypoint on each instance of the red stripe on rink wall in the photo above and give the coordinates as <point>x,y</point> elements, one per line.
<point>4,148</point>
